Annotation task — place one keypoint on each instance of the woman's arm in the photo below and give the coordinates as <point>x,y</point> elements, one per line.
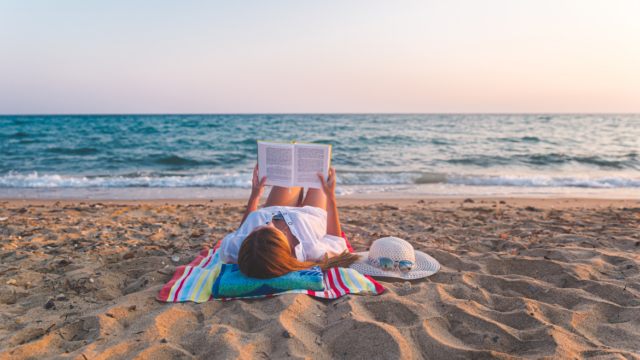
<point>257,188</point>
<point>329,189</point>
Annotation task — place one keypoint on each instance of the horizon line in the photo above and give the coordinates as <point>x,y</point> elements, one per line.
<point>328,113</point>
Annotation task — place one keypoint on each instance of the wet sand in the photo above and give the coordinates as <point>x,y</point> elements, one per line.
<point>527,278</point>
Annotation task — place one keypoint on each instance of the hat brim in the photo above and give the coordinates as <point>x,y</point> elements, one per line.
<point>425,266</point>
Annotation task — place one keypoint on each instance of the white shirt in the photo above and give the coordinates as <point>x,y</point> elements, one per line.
<point>308,224</point>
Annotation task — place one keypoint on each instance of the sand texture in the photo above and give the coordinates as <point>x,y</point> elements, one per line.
<point>79,281</point>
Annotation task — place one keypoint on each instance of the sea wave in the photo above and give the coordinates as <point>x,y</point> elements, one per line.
<point>243,180</point>
<point>34,180</point>
<point>546,181</point>
<point>388,178</point>
<point>399,178</point>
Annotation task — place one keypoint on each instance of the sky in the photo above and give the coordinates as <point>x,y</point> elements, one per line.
<point>250,56</point>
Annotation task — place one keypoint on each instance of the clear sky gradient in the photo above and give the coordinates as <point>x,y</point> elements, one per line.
<point>250,56</point>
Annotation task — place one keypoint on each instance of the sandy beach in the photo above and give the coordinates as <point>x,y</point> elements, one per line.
<point>520,278</point>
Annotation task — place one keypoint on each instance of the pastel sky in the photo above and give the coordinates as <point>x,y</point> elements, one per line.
<point>286,56</point>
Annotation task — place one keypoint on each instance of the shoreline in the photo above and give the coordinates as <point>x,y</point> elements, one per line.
<point>347,192</point>
<point>443,201</point>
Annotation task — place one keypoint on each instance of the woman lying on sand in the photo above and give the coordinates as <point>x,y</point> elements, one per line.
<point>290,233</point>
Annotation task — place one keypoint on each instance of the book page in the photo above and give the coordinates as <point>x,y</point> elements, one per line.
<point>275,160</point>
<point>311,159</point>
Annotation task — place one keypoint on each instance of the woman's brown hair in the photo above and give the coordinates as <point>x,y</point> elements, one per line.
<point>266,254</point>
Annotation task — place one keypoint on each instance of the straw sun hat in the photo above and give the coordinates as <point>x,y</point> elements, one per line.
<point>396,249</point>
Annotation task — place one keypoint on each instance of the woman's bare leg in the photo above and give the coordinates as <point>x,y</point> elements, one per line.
<point>280,196</point>
<point>315,197</point>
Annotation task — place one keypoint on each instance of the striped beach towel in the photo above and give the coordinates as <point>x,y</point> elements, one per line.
<point>194,282</point>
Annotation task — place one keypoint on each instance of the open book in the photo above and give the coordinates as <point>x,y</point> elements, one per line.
<point>293,164</point>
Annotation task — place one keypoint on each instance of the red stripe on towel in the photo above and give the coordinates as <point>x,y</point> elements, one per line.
<point>210,258</point>
<point>332,284</point>
<point>175,297</point>
<point>339,290</point>
<point>339,284</point>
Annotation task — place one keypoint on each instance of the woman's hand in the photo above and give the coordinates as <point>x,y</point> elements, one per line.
<point>329,186</point>
<point>257,186</point>
<point>329,189</point>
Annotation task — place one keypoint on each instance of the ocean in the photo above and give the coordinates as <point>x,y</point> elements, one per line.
<point>200,156</point>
